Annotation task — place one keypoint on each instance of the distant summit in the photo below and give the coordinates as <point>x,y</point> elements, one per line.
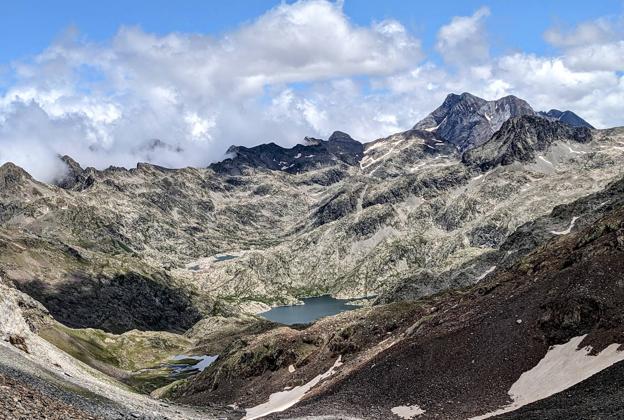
<point>12,176</point>
<point>315,153</point>
<point>566,117</point>
<point>468,121</point>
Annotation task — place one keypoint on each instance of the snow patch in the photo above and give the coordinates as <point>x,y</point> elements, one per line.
<point>576,151</point>
<point>488,271</point>
<point>373,146</point>
<point>545,160</point>
<point>202,362</point>
<point>280,401</point>
<point>408,411</point>
<point>373,171</point>
<point>373,160</point>
<point>298,156</point>
<point>561,368</point>
<point>568,230</point>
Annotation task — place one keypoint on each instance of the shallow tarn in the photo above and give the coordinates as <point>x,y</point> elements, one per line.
<point>190,363</point>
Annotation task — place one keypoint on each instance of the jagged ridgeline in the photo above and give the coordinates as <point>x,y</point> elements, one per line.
<point>124,269</point>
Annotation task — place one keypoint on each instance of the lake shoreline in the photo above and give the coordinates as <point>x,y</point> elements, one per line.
<point>310,309</point>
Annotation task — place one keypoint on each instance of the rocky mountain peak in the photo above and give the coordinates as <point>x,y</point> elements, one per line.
<point>76,177</point>
<point>340,136</point>
<point>468,121</point>
<point>313,154</point>
<point>71,164</point>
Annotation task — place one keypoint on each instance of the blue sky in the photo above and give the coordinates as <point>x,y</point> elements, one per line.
<point>101,80</point>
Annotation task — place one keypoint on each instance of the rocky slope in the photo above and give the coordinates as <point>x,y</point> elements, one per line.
<point>521,139</point>
<point>131,268</point>
<point>40,380</point>
<point>461,353</point>
<point>403,207</point>
<point>496,332</point>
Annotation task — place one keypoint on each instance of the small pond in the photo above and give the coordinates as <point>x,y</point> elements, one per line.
<point>183,363</point>
<point>224,257</point>
<point>312,309</point>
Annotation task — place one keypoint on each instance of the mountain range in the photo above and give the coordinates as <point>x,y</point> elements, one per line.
<point>483,245</point>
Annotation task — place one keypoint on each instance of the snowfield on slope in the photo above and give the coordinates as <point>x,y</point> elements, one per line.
<point>564,366</point>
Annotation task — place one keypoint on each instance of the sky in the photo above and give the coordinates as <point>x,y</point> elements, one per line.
<point>175,84</point>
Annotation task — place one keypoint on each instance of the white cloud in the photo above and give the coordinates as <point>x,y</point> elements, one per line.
<point>609,57</point>
<point>594,45</point>
<point>295,71</point>
<point>197,93</point>
<point>463,40</point>
<point>598,31</point>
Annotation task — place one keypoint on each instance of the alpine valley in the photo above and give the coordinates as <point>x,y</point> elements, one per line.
<point>482,252</point>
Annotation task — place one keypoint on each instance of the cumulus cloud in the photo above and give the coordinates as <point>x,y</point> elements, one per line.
<point>196,94</point>
<point>463,41</point>
<point>300,69</point>
<point>21,133</point>
<point>586,33</point>
<point>594,45</point>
